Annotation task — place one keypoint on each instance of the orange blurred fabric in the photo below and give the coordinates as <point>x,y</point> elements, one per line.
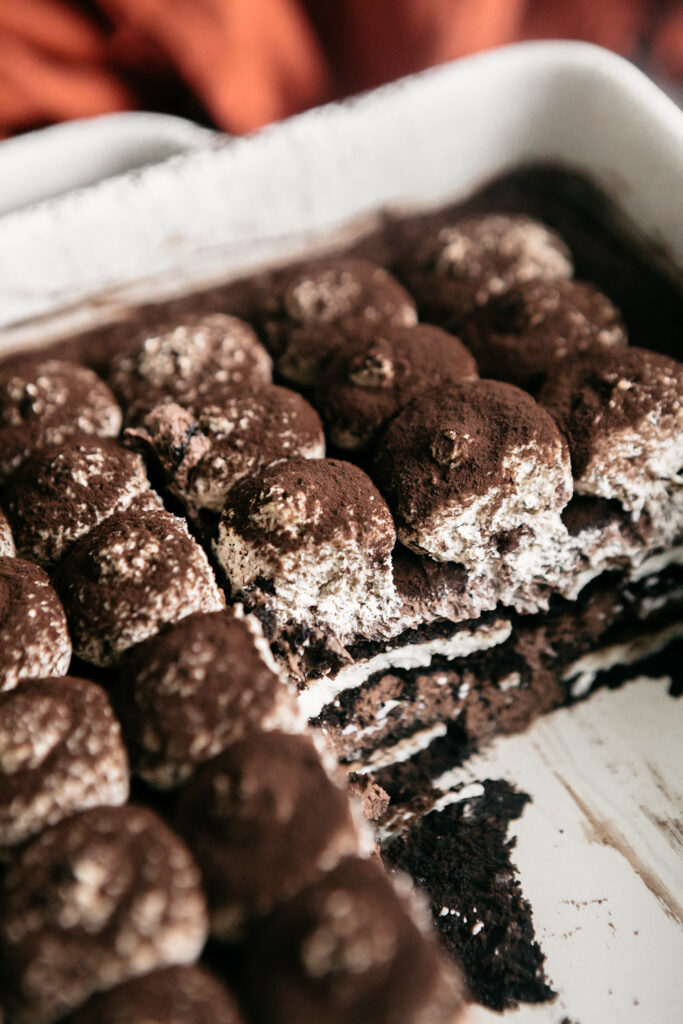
<point>239,64</point>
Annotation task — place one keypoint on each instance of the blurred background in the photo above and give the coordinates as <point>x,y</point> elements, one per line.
<point>239,64</point>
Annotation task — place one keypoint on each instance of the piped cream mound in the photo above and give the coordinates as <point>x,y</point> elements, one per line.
<point>186,362</point>
<point>133,574</point>
<point>101,897</point>
<point>457,267</point>
<point>44,402</point>
<point>622,413</point>
<point>311,540</point>
<point>34,640</point>
<point>525,334</point>
<point>202,456</point>
<point>312,310</point>
<point>478,474</point>
<point>187,694</point>
<point>379,372</point>
<point>60,752</point>
<point>63,491</point>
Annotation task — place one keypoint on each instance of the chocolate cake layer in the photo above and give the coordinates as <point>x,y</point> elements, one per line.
<point>540,662</point>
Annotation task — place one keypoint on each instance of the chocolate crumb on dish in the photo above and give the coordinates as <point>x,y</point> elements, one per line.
<point>61,493</point>
<point>456,268</point>
<point>44,402</point>
<point>7,547</point>
<point>374,800</point>
<point>374,376</point>
<point>98,899</point>
<point>186,695</point>
<point>134,573</point>
<point>203,455</point>
<point>478,474</point>
<point>173,995</point>
<point>314,308</point>
<point>621,411</point>
<point>187,362</point>
<point>349,949</point>
<point>34,641</point>
<point>476,899</point>
<point>311,540</point>
<point>524,334</point>
<point>262,819</point>
<point>60,752</point>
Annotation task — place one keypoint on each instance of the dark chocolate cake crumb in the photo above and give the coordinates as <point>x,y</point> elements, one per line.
<point>61,493</point>
<point>524,334</point>
<point>378,372</point>
<point>34,641</point>
<point>313,309</point>
<point>374,800</point>
<point>461,857</point>
<point>190,363</point>
<point>45,401</point>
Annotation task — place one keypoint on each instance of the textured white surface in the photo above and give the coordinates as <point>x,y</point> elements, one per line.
<point>599,853</point>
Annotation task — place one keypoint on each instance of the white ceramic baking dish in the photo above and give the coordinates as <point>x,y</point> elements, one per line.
<point>64,157</point>
<point>230,205</point>
<point>597,848</point>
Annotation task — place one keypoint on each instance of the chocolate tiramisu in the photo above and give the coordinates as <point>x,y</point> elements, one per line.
<point>367,512</point>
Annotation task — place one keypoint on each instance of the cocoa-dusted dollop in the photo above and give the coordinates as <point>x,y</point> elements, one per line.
<point>312,538</point>
<point>102,897</point>
<point>376,374</point>
<point>174,995</point>
<point>622,413</point>
<point>478,474</point>
<point>186,695</point>
<point>522,335</point>
<point>6,539</point>
<point>202,456</point>
<point>187,363</point>
<point>60,752</point>
<point>459,267</point>
<point>34,641</point>
<point>263,819</point>
<point>348,950</point>
<point>314,308</point>
<point>45,401</point>
<point>134,573</point>
<point>61,493</point>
